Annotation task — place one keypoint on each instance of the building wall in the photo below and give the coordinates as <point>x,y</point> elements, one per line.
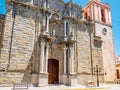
<point>88,56</point>
<point>21,52</point>
<point>19,34</point>
<point>107,51</point>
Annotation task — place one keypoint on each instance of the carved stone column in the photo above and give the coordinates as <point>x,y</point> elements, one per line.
<point>95,8</point>
<point>42,48</point>
<point>65,49</point>
<point>43,76</point>
<point>109,17</point>
<point>45,4</point>
<point>31,2</point>
<point>106,15</point>
<point>71,59</point>
<point>46,58</point>
<point>47,26</point>
<point>99,13</point>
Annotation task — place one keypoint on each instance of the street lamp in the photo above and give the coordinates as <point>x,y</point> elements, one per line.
<point>97,70</point>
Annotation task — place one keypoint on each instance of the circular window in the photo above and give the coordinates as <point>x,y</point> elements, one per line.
<point>104,31</point>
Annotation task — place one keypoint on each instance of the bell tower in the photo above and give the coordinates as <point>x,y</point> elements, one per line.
<point>101,16</point>
<point>98,12</point>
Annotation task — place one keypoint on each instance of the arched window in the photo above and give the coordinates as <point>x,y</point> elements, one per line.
<point>86,15</point>
<point>67,28</point>
<point>103,15</point>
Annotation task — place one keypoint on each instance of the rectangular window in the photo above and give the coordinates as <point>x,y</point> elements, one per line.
<point>118,76</point>
<point>67,28</point>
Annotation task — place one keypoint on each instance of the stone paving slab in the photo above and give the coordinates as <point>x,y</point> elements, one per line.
<point>53,88</point>
<point>62,87</point>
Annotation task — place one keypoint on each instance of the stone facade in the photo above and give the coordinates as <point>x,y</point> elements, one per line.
<point>36,32</point>
<point>108,52</point>
<point>100,14</point>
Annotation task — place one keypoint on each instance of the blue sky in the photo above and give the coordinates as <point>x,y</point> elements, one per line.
<point>115,11</point>
<point>2,7</point>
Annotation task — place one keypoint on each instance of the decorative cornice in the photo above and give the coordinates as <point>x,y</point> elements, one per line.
<point>102,4</point>
<point>55,21</point>
<point>103,23</point>
<point>36,8</point>
<point>76,20</point>
<point>98,38</point>
<point>75,6</point>
<point>85,73</point>
<point>1,20</point>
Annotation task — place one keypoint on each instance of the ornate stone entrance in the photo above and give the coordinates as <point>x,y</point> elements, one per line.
<point>53,71</point>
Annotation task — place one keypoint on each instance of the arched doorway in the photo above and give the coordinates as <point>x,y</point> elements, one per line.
<point>53,70</point>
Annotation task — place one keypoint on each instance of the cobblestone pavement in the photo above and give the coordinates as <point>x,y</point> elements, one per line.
<point>62,87</point>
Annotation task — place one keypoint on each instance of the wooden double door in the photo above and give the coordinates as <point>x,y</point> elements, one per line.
<point>53,70</point>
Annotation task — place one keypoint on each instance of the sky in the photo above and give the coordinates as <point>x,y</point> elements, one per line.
<point>115,12</point>
<point>2,7</point>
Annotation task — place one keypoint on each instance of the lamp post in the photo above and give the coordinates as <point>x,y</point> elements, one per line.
<point>97,70</point>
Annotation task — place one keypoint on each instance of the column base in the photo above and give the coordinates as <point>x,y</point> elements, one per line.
<point>65,79</point>
<point>43,79</point>
<point>35,78</point>
<point>72,79</point>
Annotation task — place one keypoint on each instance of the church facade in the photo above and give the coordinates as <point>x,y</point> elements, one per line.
<point>52,42</point>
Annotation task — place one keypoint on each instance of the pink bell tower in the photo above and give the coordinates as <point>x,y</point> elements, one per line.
<point>98,12</point>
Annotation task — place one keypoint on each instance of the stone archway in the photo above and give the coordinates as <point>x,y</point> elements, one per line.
<point>53,71</point>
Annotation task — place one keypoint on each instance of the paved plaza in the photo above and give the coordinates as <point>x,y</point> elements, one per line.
<point>62,87</point>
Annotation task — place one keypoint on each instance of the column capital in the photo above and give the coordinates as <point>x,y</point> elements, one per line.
<point>64,48</point>
<point>47,45</point>
<point>42,42</point>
